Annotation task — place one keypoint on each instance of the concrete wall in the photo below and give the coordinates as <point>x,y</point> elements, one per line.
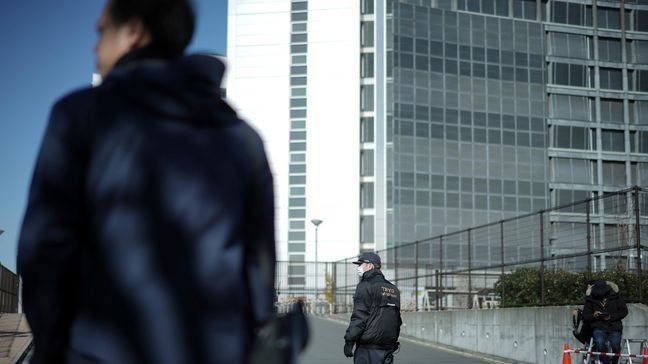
<point>527,335</point>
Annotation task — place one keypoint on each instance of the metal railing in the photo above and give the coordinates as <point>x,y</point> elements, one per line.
<point>525,260</point>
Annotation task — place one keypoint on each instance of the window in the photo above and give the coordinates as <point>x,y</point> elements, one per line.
<point>367,65</point>
<point>643,142</point>
<point>298,48</point>
<point>640,51</point>
<point>612,78</point>
<point>571,13</point>
<point>299,27</point>
<point>366,229</point>
<point>641,20</point>
<point>299,38</point>
<point>367,162</point>
<point>299,6</point>
<point>366,130</point>
<point>367,34</point>
<point>501,7</point>
<point>640,81</point>
<point>298,102</point>
<point>568,170</point>
<point>570,45</point>
<point>570,74</point>
<point>612,110</point>
<point>366,195</point>
<point>608,18</point>
<point>367,7</point>
<point>367,97</point>
<point>641,112</point>
<point>296,281</point>
<point>612,140</point>
<point>299,16</point>
<point>640,174</point>
<point>566,197</point>
<point>296,235</point>
<point>297,135</point>
<point>297,168</point>
<point>571,137</point>
<point>610,49</point>
<point>525,9</point>
<point>294,269</point>
<point>570,107</point>
<point>614,173</point>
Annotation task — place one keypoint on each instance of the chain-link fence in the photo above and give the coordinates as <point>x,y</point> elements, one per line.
<point>544,258</point>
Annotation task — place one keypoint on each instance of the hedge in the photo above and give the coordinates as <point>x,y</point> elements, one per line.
<point>522,286</point>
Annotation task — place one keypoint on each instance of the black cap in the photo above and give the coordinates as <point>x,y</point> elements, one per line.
<point>368,257</point>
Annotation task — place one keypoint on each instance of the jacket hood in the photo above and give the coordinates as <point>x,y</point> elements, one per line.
<point>186,88</point>
<point>601,289</point>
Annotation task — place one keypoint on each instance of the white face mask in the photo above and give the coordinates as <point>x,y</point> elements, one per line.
<point>360,271</point>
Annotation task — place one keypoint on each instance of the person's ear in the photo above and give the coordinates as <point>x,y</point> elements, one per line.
<point>136,33</point>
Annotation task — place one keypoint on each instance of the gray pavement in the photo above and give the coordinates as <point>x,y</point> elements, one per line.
<point>326,345</point>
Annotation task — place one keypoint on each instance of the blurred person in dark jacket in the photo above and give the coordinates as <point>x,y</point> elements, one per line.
<point>376,320</point>
<point>149,230</point>
<point>603,310</point>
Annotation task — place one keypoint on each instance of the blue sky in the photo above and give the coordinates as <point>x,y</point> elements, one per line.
<point>47,51</point>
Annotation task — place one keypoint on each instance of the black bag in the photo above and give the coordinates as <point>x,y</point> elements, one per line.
<point>282,339</point>
<point>581,330</point>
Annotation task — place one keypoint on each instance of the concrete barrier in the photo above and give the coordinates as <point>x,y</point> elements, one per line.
<point>524,335</point>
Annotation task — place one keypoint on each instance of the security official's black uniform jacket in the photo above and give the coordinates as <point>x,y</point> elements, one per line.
<point>376,320</point>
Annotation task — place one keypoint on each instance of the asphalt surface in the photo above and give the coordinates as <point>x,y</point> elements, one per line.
<point>326,345</point>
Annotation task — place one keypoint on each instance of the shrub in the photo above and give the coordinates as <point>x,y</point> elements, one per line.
<point>522,286</point>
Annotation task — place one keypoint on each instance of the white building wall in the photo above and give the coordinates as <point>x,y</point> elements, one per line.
<point>258,53</point>
<point>258,80</point>
<point>333,168</point>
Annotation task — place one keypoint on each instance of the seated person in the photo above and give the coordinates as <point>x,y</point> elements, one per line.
<point>604,309</point>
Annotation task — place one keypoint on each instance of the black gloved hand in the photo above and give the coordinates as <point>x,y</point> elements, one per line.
<point>348,349</point>
<point>396,346</point>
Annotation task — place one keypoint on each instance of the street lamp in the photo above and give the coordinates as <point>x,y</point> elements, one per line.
<point>317,223</point>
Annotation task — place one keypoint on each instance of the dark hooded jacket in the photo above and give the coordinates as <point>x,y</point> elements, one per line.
<point>376,319</point>
<point>149,231</point>
<point>604,296</point>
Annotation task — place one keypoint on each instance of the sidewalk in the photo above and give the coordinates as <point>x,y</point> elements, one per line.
<point>15,337</point>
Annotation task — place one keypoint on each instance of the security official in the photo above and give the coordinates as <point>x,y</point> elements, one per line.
<point>376,320</point>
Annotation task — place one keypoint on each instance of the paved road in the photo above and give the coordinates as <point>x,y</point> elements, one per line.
<point>326,344</point>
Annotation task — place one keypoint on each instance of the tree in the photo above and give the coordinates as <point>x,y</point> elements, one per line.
<point>329,290</point>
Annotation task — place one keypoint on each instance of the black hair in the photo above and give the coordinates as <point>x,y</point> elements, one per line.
<point>170,22</point>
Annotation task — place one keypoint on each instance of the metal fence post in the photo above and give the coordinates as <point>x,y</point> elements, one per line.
<point>334,285</point>
<point>416,277</point>
<point>346,287</point>
<point>470,303</point>
<point>438,291</point>
<point>395,264</point>
<point>440,284</point>
<point>502,279</point>
<point>589,238</point>
<point>542,259</point>
<point>638,241</point>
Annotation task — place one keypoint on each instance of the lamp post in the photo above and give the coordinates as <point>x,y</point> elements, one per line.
<point>317,223</point>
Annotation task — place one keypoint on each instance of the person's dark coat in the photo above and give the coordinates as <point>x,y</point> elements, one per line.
<point>148,199</point>
<point>376,319</point>
<point>604,297</point>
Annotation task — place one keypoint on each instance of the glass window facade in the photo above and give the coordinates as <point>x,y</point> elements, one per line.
<point>469,136</point>
<point>297,166</point>
<point>501,107</point>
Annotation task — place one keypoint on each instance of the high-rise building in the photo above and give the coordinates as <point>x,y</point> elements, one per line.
<point>397,120</point>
